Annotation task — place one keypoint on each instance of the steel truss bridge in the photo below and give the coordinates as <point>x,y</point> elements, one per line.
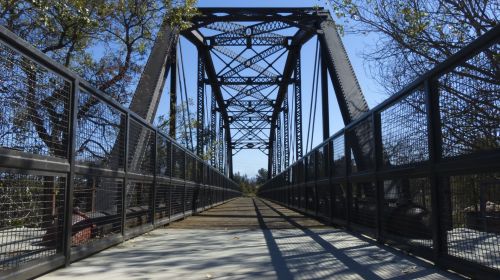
<point>80,172</point>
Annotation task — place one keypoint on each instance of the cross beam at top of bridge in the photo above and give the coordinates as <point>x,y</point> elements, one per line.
<point>251,57</point>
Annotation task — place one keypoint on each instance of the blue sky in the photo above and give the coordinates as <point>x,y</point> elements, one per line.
<point>249,161</point>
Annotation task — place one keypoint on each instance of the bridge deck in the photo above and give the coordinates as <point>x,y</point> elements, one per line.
<point>249,238</point>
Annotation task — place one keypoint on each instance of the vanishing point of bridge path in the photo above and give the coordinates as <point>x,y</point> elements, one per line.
<point>250,238</point>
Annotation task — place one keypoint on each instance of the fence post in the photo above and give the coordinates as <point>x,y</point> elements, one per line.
<point>379,185</point>
<point>347,158</point>
<point>171,164</point>
<point>435,148</point>
<point>125,169</point>
<point>185,186</point>
<point>155,170</point>
<point>68,210</point>
<point>330,166</point>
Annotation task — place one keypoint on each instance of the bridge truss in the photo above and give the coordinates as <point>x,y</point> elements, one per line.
<point>240,50</point>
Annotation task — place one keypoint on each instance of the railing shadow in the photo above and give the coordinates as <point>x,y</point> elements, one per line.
<point>333,254</point>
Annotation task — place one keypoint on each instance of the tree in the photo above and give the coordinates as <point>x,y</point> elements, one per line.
<point>248,185</point>
<point>416,35</point>
<point>105,42</point>
<point>261,176</point>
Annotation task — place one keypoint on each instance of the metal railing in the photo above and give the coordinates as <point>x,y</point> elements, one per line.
<point>420,171</point>
<point>79,172</point>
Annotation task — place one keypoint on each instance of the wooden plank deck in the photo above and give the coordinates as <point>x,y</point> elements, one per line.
<point>250,238</point>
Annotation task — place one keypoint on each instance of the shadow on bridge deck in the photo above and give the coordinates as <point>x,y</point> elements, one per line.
<point>250,239</point>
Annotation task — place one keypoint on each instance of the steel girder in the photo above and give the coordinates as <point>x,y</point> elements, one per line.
<point>350,98</point>
<point>298,108</point>
<point>286,135</point>
<point>150,87</point>
<point>279,150</point>
<point>148,92</point>
<point>198,40</point>
<point>249,62</point>
<point>220,145</point>
<point>249,80</point>
<point>213,130</point>
<point>299,39</point>
<point>200,106</point>
<point>248,106</point>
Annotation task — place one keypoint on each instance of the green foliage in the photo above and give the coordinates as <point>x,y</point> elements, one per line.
<point>180,14</point>
<point>247,185</point>
<point>414,35</point>
<point>186,124</point>
<point>261,177</point>
<point>106,42</point>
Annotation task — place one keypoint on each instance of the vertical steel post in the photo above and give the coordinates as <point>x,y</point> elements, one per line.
<point>347,158</point>
<point>213,131</point>
<point>298,109</point>
<point>324,97</point>
<point>185,186</point>
<point>125,169</point>
<point>200,106</point>
<point>278,145</point>
<point>286,136</point>
<point>330,175</point>
<point>316,196</point>
<point>171,148</point>
<point>435,151</point>
<point>70,185</point>
<point>379,185</point>
<point>173,96</point>
<point>220,145</point>
<point>155,165</point>
<point>273,157</point>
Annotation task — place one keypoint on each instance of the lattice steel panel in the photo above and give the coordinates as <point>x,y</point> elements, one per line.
<point>339,201</point>
<point>141,149</point>
<point>138,203</point>
<point>162,202</point>
<point>202,193</point>
<point>97,208</point>
<point>339,164</point>
<point>324,199</point>
<point>404,131</point>
<point>179,163</point>
<point>363,207</point>
<point>189,197</point>
<point>310,167</point>
<point>31,213</point>
<point>296,196</point>
<point>310,194</point>
<point>362,145</point>
<point>177,199</point>
<point>473,222</point>
<point>164,157</point>
<point>191,168</point>
<point>302,197</point>
<point>470,106</point>
<point>100,136</point>
<point>34,115</point>
<point>322,162</point>
<point>407,210</point>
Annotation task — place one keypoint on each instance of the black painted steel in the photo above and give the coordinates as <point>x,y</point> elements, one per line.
<point>78,171</point>
<point>425,176</point>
